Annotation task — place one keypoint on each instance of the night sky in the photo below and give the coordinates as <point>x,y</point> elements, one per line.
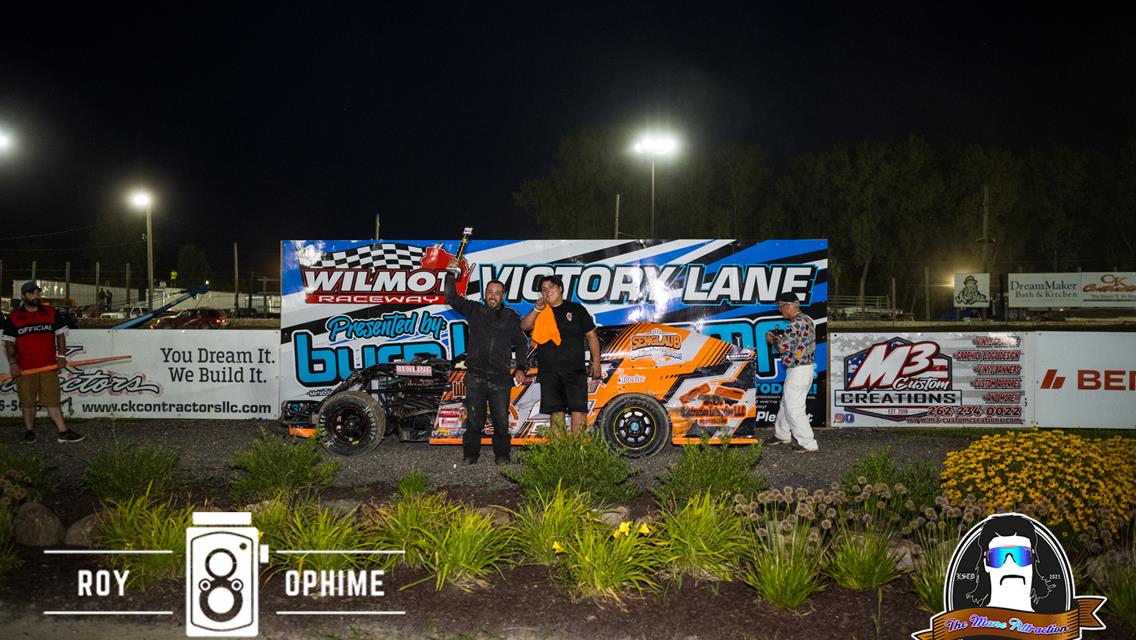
<point>260,122</point>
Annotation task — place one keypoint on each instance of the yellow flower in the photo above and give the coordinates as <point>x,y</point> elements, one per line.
<point>624,529</point>
<point>644,529</point>
<point>557,547</point>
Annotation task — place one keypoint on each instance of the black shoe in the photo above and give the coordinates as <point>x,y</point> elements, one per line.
<point>800,449</point>
<point>469,460</point>
<point>29,436</point>
<point>68,436</point>
<point>503,460</point>
<point>774,440</point>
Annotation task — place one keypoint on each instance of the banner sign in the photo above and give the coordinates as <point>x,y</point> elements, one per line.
<point>972,290</point>
<point>893,379</point>
<point>1042,290</point>
<point>1086,379</point>
<point>219,375</point>
<point>349,304</point>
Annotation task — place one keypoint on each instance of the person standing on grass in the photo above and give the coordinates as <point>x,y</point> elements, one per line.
<point>494,334</point>
<point>796,347</point>
<point>561,328</point>
<point>35,337</point>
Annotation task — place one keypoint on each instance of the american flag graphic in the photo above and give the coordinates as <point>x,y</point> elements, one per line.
<point>383,255</point>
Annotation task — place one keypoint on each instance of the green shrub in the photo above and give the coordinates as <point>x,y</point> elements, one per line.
<point>141,523</point>
<point>932,559</point>
<point>607,566</point>
<point>704,540</point>
<point>405,525</point>
<point>272,518</point>
<point>414,483</point>
<point>275,465</point>
<point>920,480</point>
<point>25,476</point>
<point>1119,586</point>
<point>784,565</point>
<point>716,469</point>
<point>126,471</point>
<point>466,551</point>
<point>862,561</point>
<point>9,559</point>
<point>313,529</point>
<point>1113,575</point>
<point>582,464</point>
<point>547,524</point>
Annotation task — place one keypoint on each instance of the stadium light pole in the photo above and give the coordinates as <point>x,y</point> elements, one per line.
<point>655,146</point>
<point>142,199</point>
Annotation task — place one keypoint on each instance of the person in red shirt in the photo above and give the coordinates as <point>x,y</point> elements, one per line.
<point>35,338</point>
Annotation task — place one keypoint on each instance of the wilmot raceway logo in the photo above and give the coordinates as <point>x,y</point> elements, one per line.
<point>897,379</point>
<point>381,273</point>
<point>1009,577</point>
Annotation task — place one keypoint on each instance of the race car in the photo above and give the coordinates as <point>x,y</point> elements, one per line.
<point>659,383</point>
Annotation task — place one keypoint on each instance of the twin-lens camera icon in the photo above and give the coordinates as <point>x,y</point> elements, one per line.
<point>223,556</point>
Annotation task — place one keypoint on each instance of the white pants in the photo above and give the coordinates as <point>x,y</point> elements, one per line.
<point>792,419</point>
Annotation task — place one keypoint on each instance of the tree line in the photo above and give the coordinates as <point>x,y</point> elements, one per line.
<point>888,208</point>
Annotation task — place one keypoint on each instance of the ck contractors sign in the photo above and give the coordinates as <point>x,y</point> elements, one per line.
<point>221,375</point>
<point>1044,290</point>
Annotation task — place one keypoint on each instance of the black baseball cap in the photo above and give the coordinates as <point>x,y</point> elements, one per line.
<point>553,278</point>
<point>29,286</point>
<point>787,297</point>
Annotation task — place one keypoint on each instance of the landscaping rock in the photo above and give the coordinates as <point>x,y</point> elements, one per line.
<point>497,515</point>
<point>341,506</point>
<point>256,507</point>
<point>613,517</point>
<point>83,532</point>
<point>901,551</point>
<point>37,526</point>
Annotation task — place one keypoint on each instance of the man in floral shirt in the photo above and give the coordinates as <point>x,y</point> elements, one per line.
<point>797,346</point>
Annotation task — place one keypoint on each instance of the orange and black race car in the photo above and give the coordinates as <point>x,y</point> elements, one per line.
<point>660,383</point>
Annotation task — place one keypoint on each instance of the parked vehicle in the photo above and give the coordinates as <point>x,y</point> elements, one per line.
<point>246,312</point>
<point>124,313</point>
<point>200,318</point>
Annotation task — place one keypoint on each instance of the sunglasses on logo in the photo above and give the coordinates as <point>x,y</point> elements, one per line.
<point>997,556</point>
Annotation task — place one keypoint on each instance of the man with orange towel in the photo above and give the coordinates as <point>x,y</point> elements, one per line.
<point>560,329</point>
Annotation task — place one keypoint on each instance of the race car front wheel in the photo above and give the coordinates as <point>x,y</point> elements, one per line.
<point>351,423</point>
<point>636,425</point>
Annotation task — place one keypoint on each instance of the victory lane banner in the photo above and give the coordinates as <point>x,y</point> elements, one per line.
<point>350,304</point>
<point>893,379</point>
<point>219,375</point>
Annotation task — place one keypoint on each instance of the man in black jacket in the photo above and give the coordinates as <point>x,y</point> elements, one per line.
<point>494,334</point>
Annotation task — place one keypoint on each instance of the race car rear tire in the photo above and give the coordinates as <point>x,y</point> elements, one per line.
<point>636,425</point>
<point>351,423</point>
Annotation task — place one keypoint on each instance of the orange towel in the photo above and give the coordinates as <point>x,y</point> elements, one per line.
<point>545,329</point>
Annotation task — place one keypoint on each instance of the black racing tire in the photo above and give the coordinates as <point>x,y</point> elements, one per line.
<point>636,425</point>
<point>351,423</point>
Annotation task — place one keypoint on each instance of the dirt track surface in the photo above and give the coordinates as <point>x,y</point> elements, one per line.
<point>206,446</point>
